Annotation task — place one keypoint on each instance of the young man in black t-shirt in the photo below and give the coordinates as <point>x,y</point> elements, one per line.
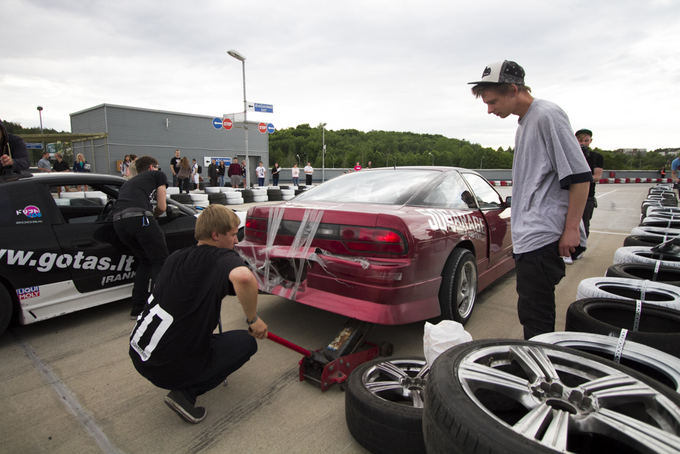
<point>596,164</point>
<point>173,344</point>
<point>134,220</point>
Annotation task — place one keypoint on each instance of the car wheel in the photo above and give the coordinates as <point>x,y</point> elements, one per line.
<point>654,293</point>
<point>663,274</point>
<point>458,290</point>
<point>657,327</point>
<point>638,240</point>
<point>241,233</point>
<point>384,404</point>
<point>506,396</point>
<point>654,363</point>
<point>6,309</point>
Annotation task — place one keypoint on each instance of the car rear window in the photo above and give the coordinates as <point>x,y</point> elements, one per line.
<point>384,186</point>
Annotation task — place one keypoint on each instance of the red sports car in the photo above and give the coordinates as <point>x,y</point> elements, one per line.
<point>388,246</point>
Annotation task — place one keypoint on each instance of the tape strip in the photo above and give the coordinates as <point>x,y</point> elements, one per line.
<point>657,266</point>
<point>638,313</point>
<point>619,345</point>
<point>643,289</point>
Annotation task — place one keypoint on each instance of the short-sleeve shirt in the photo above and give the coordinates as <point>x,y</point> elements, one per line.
<point>60,166</point>
<point>171,340</point>
<point>260,171</point>
<point>140,190</point>
<point>44,164</point>
<point>595,160</point>
<point>309,170</point>
<point>547,160</point>
<point>174,163</point>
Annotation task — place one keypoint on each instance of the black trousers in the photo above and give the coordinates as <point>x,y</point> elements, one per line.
<point>147,243</point>
<point>308,180</point>
<point>588,213</point>
<point>231,350</point>
<point>538,272</point>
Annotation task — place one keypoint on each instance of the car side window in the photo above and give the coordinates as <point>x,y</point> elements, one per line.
<point>486,196</point>
<point>451,192</point>
<point>79,207</point>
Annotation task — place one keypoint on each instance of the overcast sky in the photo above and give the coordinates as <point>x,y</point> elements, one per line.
<point>394,65</point>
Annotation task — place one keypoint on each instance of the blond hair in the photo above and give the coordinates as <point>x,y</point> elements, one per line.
<point>215,218</point>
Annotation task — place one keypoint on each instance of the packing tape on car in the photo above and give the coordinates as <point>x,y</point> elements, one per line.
<point>638,313</point>
<point>619,345</point>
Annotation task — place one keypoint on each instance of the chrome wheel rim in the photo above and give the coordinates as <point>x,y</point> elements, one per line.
<point>466,292</point>
<point>552,396</point>
<point>401,381</point>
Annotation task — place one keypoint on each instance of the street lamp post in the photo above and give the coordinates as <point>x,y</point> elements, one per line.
<point>242,59</point>
<point>323,152</point>
<point>40,109</point>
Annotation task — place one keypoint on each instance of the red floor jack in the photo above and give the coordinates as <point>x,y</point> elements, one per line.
<point>333,363</point>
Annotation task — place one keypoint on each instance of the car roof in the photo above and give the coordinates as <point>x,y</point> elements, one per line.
<point>66,178</point>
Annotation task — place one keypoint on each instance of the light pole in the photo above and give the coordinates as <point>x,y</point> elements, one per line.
<point>323,152</point>
<point>40,109</point>
<point>431,156</point>
<point>242,59</point>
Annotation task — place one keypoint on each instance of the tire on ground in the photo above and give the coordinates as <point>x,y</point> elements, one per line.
<point>468,409</point>
<point>670,276</point>
<point>639,240</point>
<point>655,293</point>
<point>386,421</point>
<point>659,327</point>
<point>644,254</point>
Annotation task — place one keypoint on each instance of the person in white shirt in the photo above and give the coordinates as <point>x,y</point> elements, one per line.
<point>309,170</point>
<point>295,173</point>
<point>194,174</point>
<point>261,172</point>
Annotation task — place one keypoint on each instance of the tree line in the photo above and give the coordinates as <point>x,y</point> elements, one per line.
<point>346,147</point>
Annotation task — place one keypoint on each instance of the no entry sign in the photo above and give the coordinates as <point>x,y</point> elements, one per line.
<point>262,127</point>
<point>227,123</point>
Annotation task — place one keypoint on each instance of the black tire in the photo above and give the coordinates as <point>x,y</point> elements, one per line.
<point>637,240</point>
<point>643,271</point>
<point>181,198</point>
<point>659,327</point>
<point>387,420</point>
<point>219,197</point>
<point>6,309</point>
<point>241,233</point>
<point>511,396</point>
<point>458,289</point>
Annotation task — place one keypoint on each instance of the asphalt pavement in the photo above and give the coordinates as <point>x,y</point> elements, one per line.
<point>68,385</point>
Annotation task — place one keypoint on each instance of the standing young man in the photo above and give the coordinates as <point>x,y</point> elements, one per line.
<point>136,225</point>
<point>309,171</point>
<point>596,164</point>
<point>174,166</point>
<point>550,181</point>
<point>173,344</point>
<point>261,173</point>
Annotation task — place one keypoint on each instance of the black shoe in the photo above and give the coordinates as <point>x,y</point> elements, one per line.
<point>185,409</point>
<point>134,313</point>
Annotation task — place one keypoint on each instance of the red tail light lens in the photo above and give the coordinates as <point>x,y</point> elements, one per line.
<point>373,240</point>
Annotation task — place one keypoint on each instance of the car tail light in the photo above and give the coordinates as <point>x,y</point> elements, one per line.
<point>373,240</point>
<point>256,230</point>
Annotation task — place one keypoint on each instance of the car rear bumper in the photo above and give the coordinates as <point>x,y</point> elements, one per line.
<point>373,290</point>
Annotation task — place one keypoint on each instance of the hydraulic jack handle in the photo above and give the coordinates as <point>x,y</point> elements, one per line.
<point>288,344</point>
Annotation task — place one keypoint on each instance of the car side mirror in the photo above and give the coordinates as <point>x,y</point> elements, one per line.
<point>508,201</point>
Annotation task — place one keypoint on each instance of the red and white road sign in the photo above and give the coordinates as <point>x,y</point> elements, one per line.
<point>227,123</point>
<point>262,127</point>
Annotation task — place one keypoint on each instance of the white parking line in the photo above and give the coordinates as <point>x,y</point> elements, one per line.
<point>69,400</point>
<point>606,193</point>
<point>610,233</point>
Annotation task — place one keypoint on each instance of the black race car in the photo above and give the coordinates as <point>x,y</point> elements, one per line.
<point>58,250</point>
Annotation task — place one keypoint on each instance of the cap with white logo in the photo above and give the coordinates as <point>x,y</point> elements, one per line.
<point>502,72</point>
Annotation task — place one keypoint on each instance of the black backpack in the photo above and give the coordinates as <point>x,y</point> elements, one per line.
<point>200,169</point>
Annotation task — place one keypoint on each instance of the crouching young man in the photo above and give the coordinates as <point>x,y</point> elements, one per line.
<point>173,345</point>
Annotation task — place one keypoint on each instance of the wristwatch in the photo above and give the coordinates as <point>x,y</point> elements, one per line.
<point>250,322</point>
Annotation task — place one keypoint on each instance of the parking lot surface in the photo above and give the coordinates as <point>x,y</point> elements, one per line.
<point>68,385</point>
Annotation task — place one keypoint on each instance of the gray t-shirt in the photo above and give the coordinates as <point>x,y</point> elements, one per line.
<point>547,160</point>
<point>44,164</point>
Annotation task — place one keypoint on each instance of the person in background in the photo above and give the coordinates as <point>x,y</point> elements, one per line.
<point>357,167</point>
<point>60,165</point>
<point>81,165</point>
<point>550,183</point>
<point>309,171</point>
<point>276,170</point>
<point>675,178</point>
<point>244,179</point>
<point>13,154</point>
<point>596,164</point>
<point>261,173</point>
<point>234,173</point>
<point>184,175</point>
<point>212,172</point>
<point>369,165</point>
<point>125,167</point>
<point>174,166</point>
<point>44,164</point>
<point>221,171</point>
<point>132,168</point>
<point>134,220</point>
<point>295,173</point>
<point>173,344</point>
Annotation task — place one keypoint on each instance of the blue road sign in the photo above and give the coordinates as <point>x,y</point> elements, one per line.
<point>270,128</point>
<point>34,146</point>
<point>269,108</point>
<point>217,123</point>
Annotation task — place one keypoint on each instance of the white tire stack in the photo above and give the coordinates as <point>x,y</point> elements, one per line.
<point>288,193</point>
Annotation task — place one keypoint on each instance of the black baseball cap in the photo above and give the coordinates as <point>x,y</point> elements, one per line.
<point>502,72</point>
<point>584,131</point>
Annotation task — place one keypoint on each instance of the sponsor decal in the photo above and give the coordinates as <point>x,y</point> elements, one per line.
<point>28,292</point>
<point>47,261</point>
<point>450,220</point>
<point>113,278</point>
<point>31,212</point>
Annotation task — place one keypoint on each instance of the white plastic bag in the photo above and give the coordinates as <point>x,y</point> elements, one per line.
<point>442,336</point>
